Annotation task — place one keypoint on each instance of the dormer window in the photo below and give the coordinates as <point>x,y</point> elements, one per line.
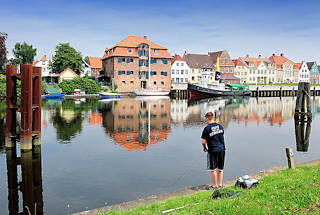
<point>156,51</point>
<point>129,50</point>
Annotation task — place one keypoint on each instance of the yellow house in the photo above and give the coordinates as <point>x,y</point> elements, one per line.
<point>67,74</point>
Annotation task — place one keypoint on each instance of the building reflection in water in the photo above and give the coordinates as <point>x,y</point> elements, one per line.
<point>268,110</point>
<point>137,124</point>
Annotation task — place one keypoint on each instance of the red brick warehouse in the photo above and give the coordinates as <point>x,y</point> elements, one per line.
<point>127,65</point>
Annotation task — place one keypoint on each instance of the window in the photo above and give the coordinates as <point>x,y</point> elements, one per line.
<point>177,72</point>
<point>153,73</point>
<point>231,71</point>
<point>222,61</point>
<point>164,61</point>
<point>186,72</point>
<point>177,64</point>
<point>154,83</point>
<point>131,82</point>
<point>182,64</point>
<point>186,80</point>
<point>192,78</point>
<point>121,72</point>
<point>177,80</point>
<point>227,70</point>
<point>123,82</point>
<point>129,60</point>
<point>153,61</point>
<point>227,61</point>
<point>129,50</point>
<point>162,83</point>
<point>120,59</point>
<point>156,51</point>
<point>182,72</point>
<point>129,72</point>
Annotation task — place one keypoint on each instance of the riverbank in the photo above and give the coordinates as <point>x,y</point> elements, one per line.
<point>281,190</point>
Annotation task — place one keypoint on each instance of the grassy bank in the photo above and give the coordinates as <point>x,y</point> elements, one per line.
<point>286,192</point>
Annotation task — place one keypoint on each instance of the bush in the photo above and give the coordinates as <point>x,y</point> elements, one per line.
<point>68,86</point>
<point>3,87</point>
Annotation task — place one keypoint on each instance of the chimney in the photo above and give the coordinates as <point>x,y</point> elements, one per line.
<point>259,55</point>
<point>145,37</point>
<point>247,55</point>
<point>273,54</point>
<point>281,54</point>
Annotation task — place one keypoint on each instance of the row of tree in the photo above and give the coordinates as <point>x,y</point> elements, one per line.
<point>65,56</point>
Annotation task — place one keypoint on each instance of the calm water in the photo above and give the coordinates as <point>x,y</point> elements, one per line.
<point>97,153</point>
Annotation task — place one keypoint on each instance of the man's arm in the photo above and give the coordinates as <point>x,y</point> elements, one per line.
<point>204,145</point>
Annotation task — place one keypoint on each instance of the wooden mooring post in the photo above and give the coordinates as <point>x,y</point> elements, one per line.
<point>290,157</point>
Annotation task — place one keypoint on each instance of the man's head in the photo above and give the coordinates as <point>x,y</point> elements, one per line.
<point>209,117</point>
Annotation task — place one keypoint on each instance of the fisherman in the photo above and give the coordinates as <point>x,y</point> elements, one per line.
<point>213,144</point>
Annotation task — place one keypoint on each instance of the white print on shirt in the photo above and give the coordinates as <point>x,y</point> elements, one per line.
<point>215,130</point>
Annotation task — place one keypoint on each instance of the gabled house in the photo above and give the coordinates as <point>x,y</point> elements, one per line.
<point>67,74</point>
<point>241,71</point>
<point>200,63</point>
<point>285,72</point>
<point>179,70</point>
<point>46,70</point>
<point>127,64</point>
<point>96,66</point>
<point>260,70</point>
<point>314,72</point>
<point>303,73</point>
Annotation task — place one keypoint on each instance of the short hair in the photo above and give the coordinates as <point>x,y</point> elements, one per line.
<point>209,115</point>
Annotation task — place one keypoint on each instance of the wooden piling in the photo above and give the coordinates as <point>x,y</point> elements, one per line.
<point>290,157</point>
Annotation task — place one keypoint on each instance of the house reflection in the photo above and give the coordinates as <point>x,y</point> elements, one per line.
<point>137,124</point>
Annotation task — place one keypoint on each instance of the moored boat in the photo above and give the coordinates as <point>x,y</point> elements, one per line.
<point>106,95</point>
<point>51,96</point>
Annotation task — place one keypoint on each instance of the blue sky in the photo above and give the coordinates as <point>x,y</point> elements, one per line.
<point>241,27</point>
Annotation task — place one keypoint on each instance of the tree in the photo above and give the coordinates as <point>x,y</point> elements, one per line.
<point>65,57</point>
<point>23,53</point>
<point>86,59</point>
<point>3,51</point>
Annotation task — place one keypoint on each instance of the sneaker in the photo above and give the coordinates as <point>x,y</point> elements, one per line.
<point>221,186</point>
<point>211,187</point>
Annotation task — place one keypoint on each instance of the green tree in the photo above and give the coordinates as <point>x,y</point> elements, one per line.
<point>23,53</point>
<point>3,51</point>
<point>86,59</point>
<point>66,56</point>
<point>89,85</point>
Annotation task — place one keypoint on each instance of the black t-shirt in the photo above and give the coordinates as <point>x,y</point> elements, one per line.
<point>213,134</point>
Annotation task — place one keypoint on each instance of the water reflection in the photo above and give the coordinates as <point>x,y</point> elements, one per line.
<point>67,116</point>
<point>31,184</point>
<point>136,124</point>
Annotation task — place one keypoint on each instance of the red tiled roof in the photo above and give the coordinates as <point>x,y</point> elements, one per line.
<point>35,62</point>
<point>238,62</point>
<point>43,58</point>
<point>297,66</point>
<point>134,41</point>
<point>66,70</point>
<point>279,60</point>
<point>176,58</point>
<point>95,62</point>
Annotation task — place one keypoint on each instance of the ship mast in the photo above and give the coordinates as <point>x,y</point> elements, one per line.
<point>149,57</point>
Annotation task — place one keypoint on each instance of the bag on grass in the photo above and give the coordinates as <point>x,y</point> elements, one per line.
<point>246,182</point>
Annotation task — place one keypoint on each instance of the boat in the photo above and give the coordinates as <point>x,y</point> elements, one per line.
<point>151,92</point>
<point>52,96</point>
<point>106,95</point>
<point>211,85</point>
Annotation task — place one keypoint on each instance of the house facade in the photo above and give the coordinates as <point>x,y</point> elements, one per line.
<point>179,70</point>
<point>67,74</point>
<point>203,65</point>
<point>314,72</point>
<point>285,72</point>
<point>96,66</point>
<point>46,70</point>
<point>260,70</point>
<point>303,73</point>
<point>127,64</point>
<point>241,71</point>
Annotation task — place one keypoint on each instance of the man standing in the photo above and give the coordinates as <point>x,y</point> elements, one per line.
<point>213,143</point>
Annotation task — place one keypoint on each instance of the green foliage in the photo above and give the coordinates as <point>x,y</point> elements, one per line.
<point>3,87</point>
<point>66,56</point>
<point>86,59</point>
<point>23,53</point>
<point>115,86</point>
<point>89,85</point>
<point>3,51</point>
<point>291,191</point>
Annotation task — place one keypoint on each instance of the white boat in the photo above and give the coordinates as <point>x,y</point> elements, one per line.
<point>155,92</point>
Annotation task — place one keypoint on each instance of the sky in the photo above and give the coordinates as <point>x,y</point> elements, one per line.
<point>240,27</point>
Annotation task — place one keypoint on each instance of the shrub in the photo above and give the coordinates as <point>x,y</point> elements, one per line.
<point>89,85</point>
<point>3,87</point>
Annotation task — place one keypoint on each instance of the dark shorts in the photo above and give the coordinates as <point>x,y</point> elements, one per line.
<point>215,160</point>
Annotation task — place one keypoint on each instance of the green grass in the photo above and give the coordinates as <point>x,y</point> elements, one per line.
<point>286,192</point>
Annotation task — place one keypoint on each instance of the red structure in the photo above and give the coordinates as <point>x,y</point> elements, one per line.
<point>30,107</point>
<point>30,139</point>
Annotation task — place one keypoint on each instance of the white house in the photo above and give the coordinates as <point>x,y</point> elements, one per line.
<point>46,70</point>
<point>179,70</point>
<point>304,72</point>
<point>86,69</point>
